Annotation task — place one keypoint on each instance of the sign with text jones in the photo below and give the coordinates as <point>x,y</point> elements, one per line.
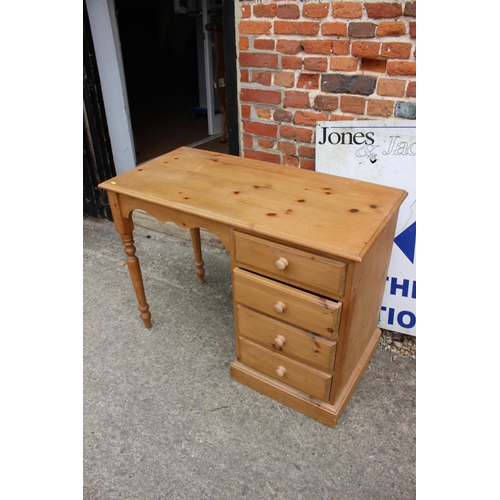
<point>382,152</point>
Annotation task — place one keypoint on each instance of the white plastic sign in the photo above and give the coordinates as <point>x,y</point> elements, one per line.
<point>382,152</point>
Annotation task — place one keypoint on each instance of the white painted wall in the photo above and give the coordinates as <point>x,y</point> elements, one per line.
<point>106,39</point>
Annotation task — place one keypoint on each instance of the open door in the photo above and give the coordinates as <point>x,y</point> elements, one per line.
<point>171,64</point>
<point>211,19</point>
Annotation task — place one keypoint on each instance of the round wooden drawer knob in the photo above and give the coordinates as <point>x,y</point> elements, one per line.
<point>279,307</point>
<point>280,371</point>
<point>279,340</point>
<point>281,263</point>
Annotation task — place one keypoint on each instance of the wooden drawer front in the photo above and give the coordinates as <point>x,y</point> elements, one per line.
<point>316,314</point>
<point>306,270</point>
<point>285,339</point>
<point>309,380</point>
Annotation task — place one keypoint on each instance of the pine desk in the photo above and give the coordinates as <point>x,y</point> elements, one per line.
<point>309,259</point>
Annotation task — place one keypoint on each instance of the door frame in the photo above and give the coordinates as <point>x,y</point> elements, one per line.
<point>105,36</point>
<point>232,99</point>
<point>98,163</point>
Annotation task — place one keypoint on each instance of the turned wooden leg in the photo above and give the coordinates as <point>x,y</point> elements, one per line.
<point>198,262</point>
<point>134,270</point>
<point>125,227</point>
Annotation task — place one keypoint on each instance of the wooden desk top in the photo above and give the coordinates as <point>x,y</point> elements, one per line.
<point>334,215</point>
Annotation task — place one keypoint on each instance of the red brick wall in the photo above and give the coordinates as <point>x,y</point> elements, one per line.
<point>306,61</point>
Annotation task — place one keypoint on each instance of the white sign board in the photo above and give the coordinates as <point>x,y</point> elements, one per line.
<point>382,152</point>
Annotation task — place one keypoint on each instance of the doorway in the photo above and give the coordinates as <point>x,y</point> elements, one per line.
<point>162,49</point>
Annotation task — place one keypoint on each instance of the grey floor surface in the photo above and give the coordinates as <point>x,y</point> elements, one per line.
<point>164,420</point>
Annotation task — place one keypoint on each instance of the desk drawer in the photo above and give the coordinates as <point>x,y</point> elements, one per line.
<point>308,311</point>
<point>309,380</point>
<point>304,269</point>
<point>285,339</point>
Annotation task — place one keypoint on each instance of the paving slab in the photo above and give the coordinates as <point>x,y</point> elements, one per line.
<point>164,420</point>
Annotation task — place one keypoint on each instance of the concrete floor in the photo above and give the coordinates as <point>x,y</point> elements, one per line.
<point>164,420</point>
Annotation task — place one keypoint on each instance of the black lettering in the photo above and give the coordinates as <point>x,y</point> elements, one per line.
<point>355,138</point>
<point>330,138</point>
<point>369,138</point>
<point>324,136</point>
<point>343,137</point>
<point>350,138</point>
